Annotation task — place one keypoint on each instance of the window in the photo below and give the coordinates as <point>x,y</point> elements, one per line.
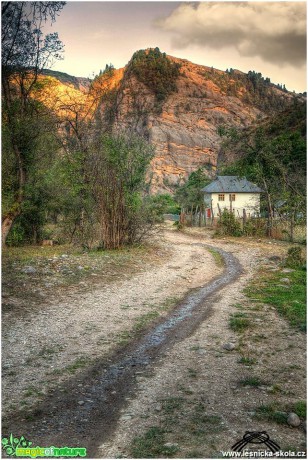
<point>232,197</point>
<point>221,197</point>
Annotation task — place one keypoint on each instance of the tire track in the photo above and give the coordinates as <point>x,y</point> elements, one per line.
<point>84,412</point>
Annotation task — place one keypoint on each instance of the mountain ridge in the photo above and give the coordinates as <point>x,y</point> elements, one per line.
<point>182,123</point>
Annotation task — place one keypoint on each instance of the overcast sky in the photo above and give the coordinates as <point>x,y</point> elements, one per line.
<point>269,37</point>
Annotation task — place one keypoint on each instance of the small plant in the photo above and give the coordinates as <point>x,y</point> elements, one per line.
<point>272,413</point>
<point>152,444</point>
<point>239,322</point>
<point>252,382</point>
<point>247,361</point>
<point>254,228</point>
<point>192,373</point>
<point>275,389</point>
<point>300,409</point>
<point>172,404</point>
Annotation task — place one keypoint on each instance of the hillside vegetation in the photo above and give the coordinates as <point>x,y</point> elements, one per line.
<point>273,154</point>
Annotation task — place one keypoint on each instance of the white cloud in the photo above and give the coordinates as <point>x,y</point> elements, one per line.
<point>274,31</point>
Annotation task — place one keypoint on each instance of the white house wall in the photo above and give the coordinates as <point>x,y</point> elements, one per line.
<point>248,201</point>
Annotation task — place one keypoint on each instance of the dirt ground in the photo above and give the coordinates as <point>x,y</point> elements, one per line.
<point>43,348</point>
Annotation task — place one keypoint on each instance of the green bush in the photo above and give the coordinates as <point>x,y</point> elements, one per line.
<point>254,227</point>
<point>16,236</point>
<point>229,225</point>
<point>294,258</point>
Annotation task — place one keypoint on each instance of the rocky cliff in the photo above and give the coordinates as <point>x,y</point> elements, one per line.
<point>184,124</point>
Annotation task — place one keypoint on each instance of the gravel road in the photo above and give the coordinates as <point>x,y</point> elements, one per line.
<point>102,405</point>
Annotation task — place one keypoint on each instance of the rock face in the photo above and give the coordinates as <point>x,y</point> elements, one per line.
<point>184,128</point>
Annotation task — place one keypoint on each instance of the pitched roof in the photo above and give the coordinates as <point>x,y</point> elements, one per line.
<point>231,184</point>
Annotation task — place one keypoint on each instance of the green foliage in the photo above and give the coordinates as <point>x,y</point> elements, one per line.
<point>189,195</point>
<point>290,301</point>
<point>156,71</point>
<point>152,445</point>
<point>252,382</point>
<point>273,155</point>
<point>228,224</point>
<point>300,408</point>
<point>27,122</point>
<point>158,205</point>
<point>294,258</point>
<point>272,413</point>
<point>254,227</point>
<point>252,88</point>
<point>239,322</point>
<point>17,235</point>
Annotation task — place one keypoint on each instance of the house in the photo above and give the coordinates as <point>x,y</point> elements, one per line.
<point>232,193</point>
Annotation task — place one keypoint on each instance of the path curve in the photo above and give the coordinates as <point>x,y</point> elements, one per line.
<point>91,418</point>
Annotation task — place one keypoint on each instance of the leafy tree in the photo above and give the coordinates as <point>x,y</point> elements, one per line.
<point>274,156</point>
<point>118,165</point>
<point>158,205</point>
<point>189,195</point>
<point>25,52</point>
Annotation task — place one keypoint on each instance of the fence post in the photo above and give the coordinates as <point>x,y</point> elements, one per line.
<point>244,218</point>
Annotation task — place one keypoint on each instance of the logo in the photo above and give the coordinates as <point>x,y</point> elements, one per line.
<point>11,444</point>
<point>256,437</point>
<point>21,447</point>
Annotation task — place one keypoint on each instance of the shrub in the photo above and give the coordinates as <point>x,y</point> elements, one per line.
<point>254,227</point>
<point>229,225</point>
<point>294,258</point>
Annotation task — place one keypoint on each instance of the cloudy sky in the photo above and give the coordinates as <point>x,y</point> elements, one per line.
<point>269,37</point>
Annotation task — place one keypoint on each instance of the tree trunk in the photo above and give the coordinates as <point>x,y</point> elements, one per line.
<point>269,230</point>
<point>212,212</point>
<point>9,219</point>
<point>292,225</point>
<point>244,218</point>
<point>7,225</point>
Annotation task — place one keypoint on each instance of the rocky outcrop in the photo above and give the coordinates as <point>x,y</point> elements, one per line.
<point>184,128</point>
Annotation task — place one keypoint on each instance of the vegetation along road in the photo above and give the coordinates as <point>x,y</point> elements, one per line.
<point>172,351</point>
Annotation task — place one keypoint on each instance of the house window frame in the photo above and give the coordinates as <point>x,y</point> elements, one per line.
<point>232,197</point>
<point>221,197</point>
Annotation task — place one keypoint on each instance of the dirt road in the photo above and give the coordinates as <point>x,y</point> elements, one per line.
<point>121,390</point>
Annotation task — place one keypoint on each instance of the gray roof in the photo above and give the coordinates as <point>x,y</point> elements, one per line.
<point>231,184</point>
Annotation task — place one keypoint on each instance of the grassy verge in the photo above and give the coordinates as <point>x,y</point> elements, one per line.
<point>278,413</point>
<point>143,321</point>
<point>239,322</point>
<point>28,272</point>
<point>219,260</point>
<point>185,430</point>
<point>285,291</point>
